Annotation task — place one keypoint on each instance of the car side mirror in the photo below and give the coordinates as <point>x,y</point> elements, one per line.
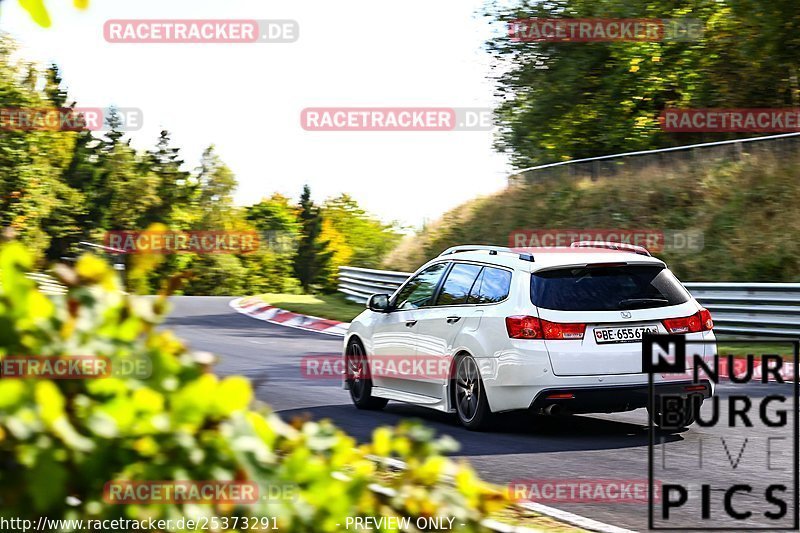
<point>378,303</point>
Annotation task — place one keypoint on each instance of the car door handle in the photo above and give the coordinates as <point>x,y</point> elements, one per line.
<point>410,323</point>
<point>453,319</point>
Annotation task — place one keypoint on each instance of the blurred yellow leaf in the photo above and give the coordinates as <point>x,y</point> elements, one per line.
<point>39,306</point>
<point>49,401</point>
<point>11,392</point>
<point>234,394</point>
<point>382,442</point>
<point>37,11</point>
<point>466,481</point>
<point>91,268</point>
<point>431,469</point>
<point>81,4</point>
<point>148,400</point>
<point>146,446</point>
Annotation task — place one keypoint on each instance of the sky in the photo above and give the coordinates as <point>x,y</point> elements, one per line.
<point>247,99</point>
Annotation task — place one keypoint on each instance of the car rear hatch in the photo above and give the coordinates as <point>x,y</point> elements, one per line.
<point>594,316</point>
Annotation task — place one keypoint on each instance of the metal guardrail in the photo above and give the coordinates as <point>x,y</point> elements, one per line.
<point>47,284</point>
<point>746,309</point>
<point>358,284</point>
<point>671,157</point>
<point>764,309</point>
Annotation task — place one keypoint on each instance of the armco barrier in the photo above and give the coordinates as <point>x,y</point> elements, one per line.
<point>359,283</point>
<point>47,284</point>
<point>767,309</point>
<point>748,309</point>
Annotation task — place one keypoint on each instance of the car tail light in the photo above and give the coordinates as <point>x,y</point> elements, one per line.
<point>524,327</point>
<point>554,331</point>
<point>705,318</point>
<point>530,327</point>
<point>700,321</point>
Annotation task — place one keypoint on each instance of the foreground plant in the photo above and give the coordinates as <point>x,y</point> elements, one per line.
<point>61,441</point>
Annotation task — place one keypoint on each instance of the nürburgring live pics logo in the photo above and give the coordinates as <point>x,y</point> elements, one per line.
<point>750,481</point>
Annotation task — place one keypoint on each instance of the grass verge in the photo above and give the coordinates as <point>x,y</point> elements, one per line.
<point>332,306</point>
<point>740,350</point>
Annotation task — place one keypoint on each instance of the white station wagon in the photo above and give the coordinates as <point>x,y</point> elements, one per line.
<point>554,331</point>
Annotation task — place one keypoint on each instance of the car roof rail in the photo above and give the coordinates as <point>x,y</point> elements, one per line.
<point>611,245</point>
<point>474,248</point>
<point>493,250</point>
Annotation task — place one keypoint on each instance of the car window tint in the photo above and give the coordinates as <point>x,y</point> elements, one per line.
<point>419,290</point>
<point>458,283</point>
<point>492,286</point>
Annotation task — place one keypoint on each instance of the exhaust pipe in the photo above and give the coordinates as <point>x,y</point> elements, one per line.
<point>552,409</point>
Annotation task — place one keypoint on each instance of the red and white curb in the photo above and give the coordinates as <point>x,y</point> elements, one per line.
<point>256,308</point>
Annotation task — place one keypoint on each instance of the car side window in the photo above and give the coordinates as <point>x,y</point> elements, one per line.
<point>419,290</point>
<point>458,284</point>
<point>492,286</point>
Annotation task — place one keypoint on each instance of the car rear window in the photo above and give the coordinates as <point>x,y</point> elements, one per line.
<point>606,288</point>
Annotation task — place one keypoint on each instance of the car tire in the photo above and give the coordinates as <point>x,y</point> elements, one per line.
<point>685,419</point>
<point>358,380</point>
<point>469,395</point>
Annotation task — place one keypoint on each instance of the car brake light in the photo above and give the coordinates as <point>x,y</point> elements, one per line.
<point>530,327</point>
<point>523,327</point>
<point>554,331</point>
<point>705,318</point>
<point>700,321</point>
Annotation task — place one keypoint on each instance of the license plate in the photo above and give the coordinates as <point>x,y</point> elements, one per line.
<point>626,334</point>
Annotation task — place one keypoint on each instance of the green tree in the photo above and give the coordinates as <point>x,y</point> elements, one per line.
<point>215,185</point>
<point>53,89</point>
<point>569,100</point>
<point>274,214</point>
<point>312,262</point>
<point>174,189</point>
<point>133,193</point>
<point>271,269</point>
<point>31,160</point>
<point>368,238</point>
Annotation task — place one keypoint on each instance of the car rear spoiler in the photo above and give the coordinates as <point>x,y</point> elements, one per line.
<point>608,245</point>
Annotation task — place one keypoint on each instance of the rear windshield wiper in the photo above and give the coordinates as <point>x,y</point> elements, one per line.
<point>633,303</point>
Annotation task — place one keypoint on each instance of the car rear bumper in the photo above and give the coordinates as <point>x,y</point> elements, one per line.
<point>519,375</point>
<point>613,398</point>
